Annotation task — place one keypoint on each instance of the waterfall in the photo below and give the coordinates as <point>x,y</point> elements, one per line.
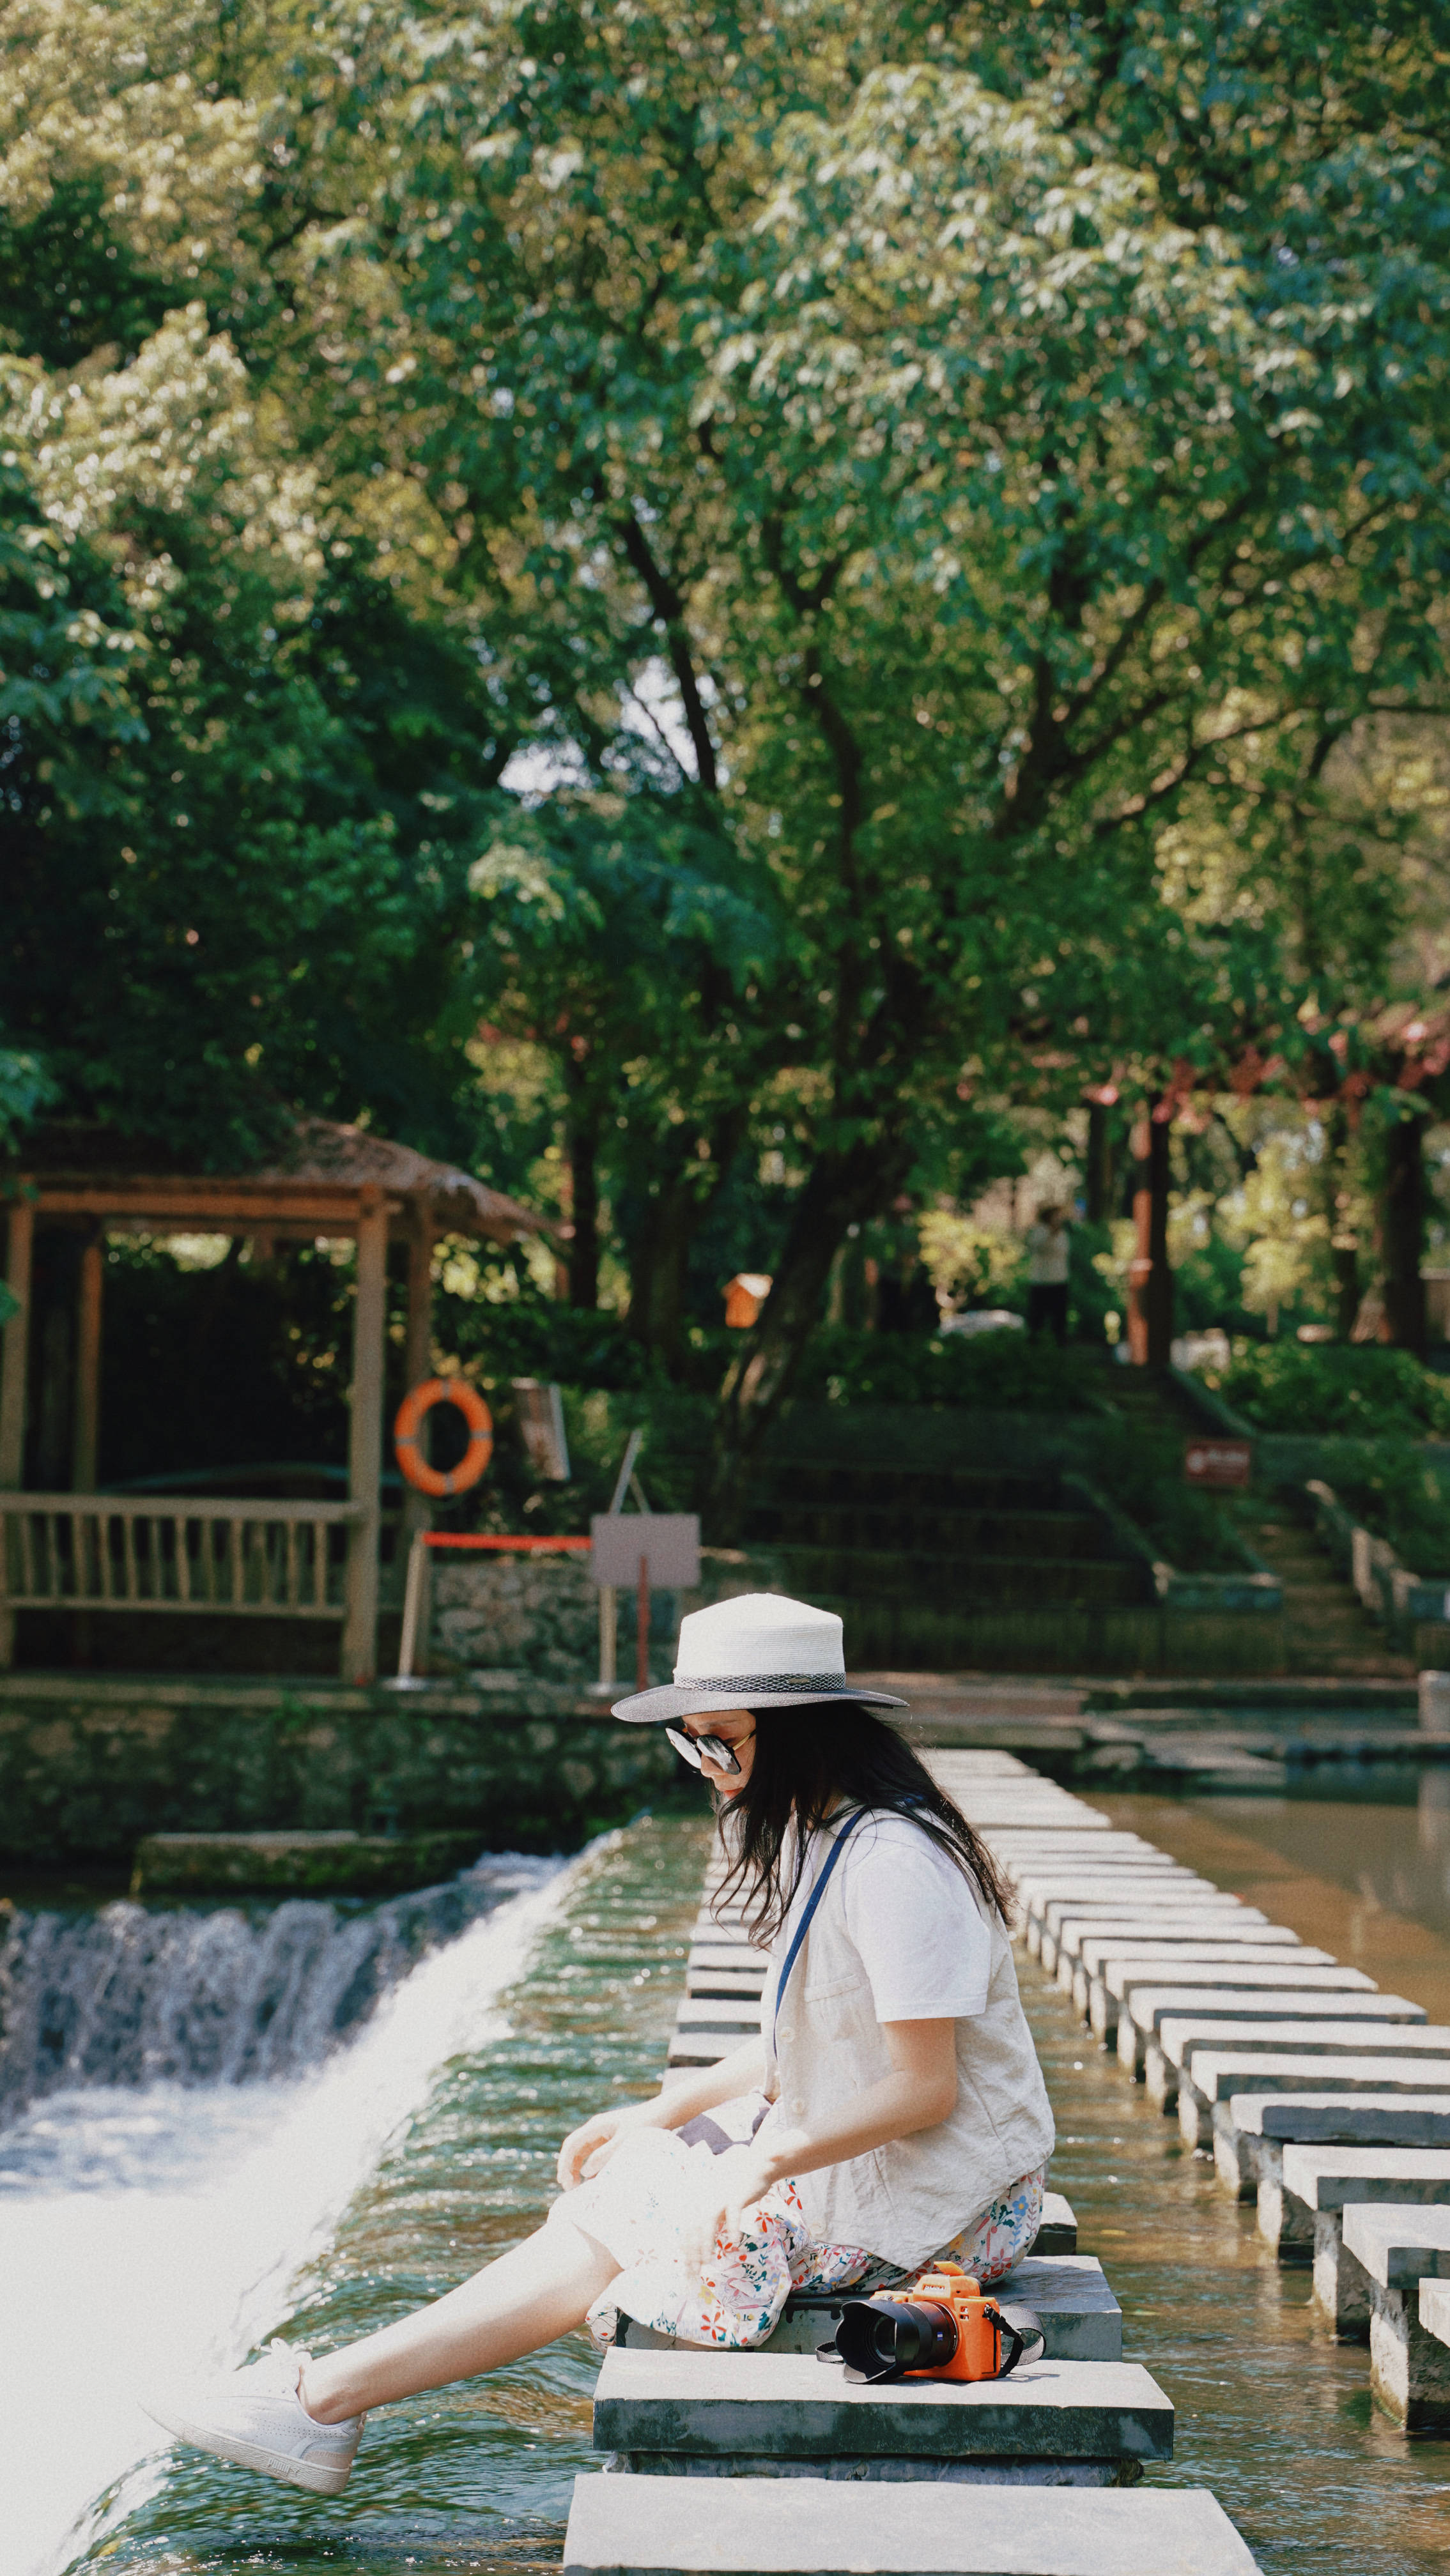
<point>136,1995</point>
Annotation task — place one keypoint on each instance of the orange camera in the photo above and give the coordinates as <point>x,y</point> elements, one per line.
<point>945,2327</point>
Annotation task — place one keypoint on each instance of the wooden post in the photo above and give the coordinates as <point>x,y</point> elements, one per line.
<point>12,1382</point>
<point>359,1661</point>
<point>86,1429</point>
<point>418,1348</point>
<point>17,1340</point>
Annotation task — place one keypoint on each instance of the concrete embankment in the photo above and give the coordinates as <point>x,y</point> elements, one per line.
<point>89,1764</point>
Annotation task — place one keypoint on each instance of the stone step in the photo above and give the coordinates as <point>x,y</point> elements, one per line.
<point>1400,2028</point>
<point>894,1530</point>
<point>959,1584</point>
<point>1098,1980</point>
<point>720,1984</point>
<point>1057,2228</point>
<point>1397,2249</point>
<point>1250,2130</point>
<point>703,2014</point>
<point>978,1762</point>
<point>1435,2309</point>
<point>1047,1933</point>
<point>653,2526</point>
<point>1090,1936</point>
<point>1344,1993</point>
<point>1314,2185</point>
<point>1069,2292</point>
<point>1220,2074</point>
<point>748,2413</point>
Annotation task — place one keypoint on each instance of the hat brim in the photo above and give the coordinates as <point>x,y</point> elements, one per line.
<point>685,1699</point>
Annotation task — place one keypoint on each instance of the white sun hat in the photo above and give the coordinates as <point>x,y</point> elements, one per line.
<point>759,1650</point>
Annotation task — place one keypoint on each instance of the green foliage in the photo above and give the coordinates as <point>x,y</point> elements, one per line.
<point>1406,1500</point>
<point>1192,1531</point>
<point>1325,1388</point>
<point>1001,1372</point>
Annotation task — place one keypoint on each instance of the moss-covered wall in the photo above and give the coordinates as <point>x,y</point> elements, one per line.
<point>89,1765</point>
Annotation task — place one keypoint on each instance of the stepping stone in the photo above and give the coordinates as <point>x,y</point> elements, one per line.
<point>1395,2023</point>
<point>720,1984</point>
<point>1100,1976</point>
<point>706,2013</point>
<point>1435,2309</point>
<point>1250,2130</point>
<point>650,2526</point>
<point>1167,1919</point>
<point>976,1762</point>
<point>1080,2316</point>
<point>1231,1924</point>
<point>732,2414</point>
<point>697,2048</point>
<point>1057,2229</point>
<point>1305,2202</point>
<point>1253,1994</point>
<point>1397,2249</point>
<point>1220,2074</point>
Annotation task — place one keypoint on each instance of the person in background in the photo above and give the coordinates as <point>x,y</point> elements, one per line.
<point>1047,1254</point>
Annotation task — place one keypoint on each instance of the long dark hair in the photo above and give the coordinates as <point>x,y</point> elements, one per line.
<point>809,1759</point>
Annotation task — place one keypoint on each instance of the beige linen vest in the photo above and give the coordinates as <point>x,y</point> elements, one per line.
<point>905,2201</point>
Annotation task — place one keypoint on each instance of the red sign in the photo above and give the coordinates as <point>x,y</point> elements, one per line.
<point>1218,1462</point>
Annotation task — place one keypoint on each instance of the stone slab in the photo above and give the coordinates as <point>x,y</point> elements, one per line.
<point>721,1985</point>
<point>1224,2074</point>
<point>1229,1929</point>
<point>1057,2229</point>
<point>1330,2178</point>
<point>645,2526</point>
<point>1397,2246</point>
<point>1247,1974</point>
<point>702,2012</point>
<point>1435,2309</point>
<point>787,2405</point>
<point>1345,2119</point>
<point>1069,2292</point>
<point>1399,2028</point>
<point>1150,2011</point>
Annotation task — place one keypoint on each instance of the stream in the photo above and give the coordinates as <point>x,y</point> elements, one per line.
<point>136,2218</point>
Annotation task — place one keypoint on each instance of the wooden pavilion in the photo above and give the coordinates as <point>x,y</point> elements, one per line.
<point>173,1553</point>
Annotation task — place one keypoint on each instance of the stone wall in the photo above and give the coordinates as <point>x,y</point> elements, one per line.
<point>90,1764</point>
<point>537,1617</point>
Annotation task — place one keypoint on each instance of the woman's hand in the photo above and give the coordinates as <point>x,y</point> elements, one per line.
<point>587,2150</point>
<point>730,2188</point>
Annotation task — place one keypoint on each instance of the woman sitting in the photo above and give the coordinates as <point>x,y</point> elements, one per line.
<point>892,2112</point>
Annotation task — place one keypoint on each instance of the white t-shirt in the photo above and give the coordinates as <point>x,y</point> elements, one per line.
<point>1047,1256</point>
<point>914,1918</point>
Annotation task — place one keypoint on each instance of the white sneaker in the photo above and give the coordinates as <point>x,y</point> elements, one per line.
<point>256,2418</point>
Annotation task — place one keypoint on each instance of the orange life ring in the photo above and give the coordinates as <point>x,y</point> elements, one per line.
<point>418,1403</point>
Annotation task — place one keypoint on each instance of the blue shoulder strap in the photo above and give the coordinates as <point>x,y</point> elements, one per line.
<point>838,1845</point>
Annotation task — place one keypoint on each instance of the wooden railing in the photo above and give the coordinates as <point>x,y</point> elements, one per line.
<point>166,1552</point>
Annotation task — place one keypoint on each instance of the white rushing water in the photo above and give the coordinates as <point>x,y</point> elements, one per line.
<point>148,2227</point>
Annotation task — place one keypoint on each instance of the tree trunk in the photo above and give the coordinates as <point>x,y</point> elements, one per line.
<point>1343,1247</point>
<point>1402,1232</point>
<point>1099,1174</point>
<point>843,1190</point>
<point>1158,1291</point>
<point>659,1268</point>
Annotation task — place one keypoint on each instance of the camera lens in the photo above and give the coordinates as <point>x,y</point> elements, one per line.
<point>881,2338</point>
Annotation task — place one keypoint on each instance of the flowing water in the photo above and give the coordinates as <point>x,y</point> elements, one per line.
<point>427,2145</point>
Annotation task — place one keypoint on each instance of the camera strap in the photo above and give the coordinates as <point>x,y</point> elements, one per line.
<point>838,1845</point>
<point>1019,2326</point>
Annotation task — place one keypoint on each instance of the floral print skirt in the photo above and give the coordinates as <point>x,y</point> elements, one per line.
<point>638,2208</point>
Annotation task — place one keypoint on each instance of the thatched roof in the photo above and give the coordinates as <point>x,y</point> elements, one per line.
<point>325,1177</point>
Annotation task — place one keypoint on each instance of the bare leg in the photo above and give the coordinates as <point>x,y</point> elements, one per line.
<point>541,2290</point>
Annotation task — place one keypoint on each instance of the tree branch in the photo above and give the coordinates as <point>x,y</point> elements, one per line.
<point>669,607</point>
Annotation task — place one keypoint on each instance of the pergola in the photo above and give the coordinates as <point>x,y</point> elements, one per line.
<point>333,1181</point>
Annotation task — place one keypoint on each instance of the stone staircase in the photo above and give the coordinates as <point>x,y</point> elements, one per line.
<point>948,1566</point>
<point>1326,1627</point>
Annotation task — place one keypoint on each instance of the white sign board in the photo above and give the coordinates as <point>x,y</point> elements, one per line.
<point>669,1542</point>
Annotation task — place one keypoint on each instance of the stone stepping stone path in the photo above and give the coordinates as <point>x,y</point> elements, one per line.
<point>1322,2099</point>
<point>666,2526</point>
<point>766,2460</point>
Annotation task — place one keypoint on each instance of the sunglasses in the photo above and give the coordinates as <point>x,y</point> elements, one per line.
<point>700,1749</point>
